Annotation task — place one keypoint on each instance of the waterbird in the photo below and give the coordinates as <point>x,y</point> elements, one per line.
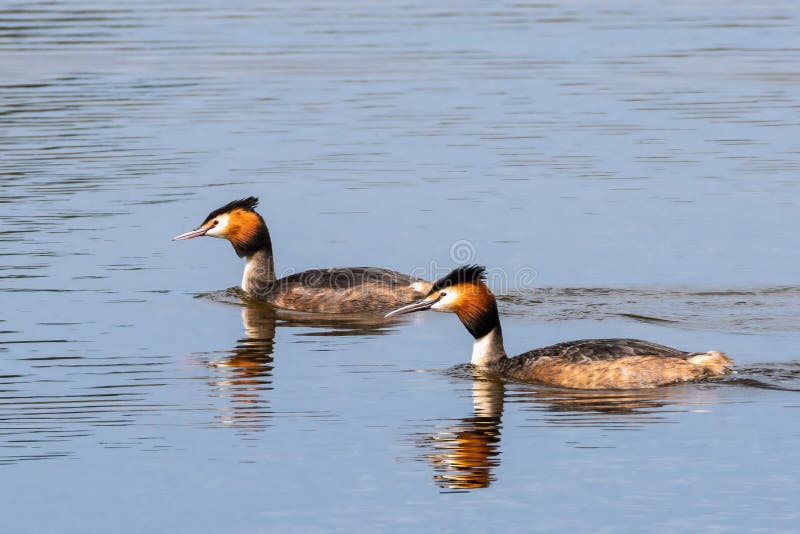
<point>337,290</point>
<point>582,364</point>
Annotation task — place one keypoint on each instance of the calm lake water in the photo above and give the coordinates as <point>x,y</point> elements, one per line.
<point>624,170</point>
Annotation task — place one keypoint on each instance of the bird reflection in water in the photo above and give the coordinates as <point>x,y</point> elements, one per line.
<point>244,374</point>
<point>464,455</point>
<point>614,409</point>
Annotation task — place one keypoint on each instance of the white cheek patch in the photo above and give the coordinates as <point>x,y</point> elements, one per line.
<point>447,303</point>
<point>219,229</point>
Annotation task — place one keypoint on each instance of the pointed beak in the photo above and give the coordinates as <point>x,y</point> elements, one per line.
<point>414,307</point>
<point>189,235</point>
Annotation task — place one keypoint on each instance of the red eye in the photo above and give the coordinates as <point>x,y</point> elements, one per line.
<point>215,223</point>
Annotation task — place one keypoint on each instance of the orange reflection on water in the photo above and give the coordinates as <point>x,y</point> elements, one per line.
<point>464,455</point>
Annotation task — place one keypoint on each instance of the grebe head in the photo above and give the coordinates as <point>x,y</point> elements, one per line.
<point>463,292</point>
<point>237,222</point>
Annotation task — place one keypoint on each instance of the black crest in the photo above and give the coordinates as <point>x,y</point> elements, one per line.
<point>247,204</point>
<point>460,275</point>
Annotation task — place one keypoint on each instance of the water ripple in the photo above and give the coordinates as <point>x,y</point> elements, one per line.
<point>744,310</point>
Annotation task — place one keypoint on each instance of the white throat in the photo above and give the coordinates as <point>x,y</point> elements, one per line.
<point>259,272</point>
<point>248,268</point>
<point>488,350</point>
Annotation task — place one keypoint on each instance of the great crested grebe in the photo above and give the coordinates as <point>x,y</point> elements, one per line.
<point>340,290</point>
<point>583,364</point>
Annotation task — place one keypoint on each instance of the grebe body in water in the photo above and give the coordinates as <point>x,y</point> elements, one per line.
<point>338,290</point>
<point>583,364</point>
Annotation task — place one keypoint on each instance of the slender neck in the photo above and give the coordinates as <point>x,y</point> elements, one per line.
<point>259,271</point>
<point>487,351</point>
<point>483,322</point>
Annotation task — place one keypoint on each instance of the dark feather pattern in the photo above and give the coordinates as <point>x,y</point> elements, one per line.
<point>460,275</point>
<point>587,350</point>
<point>341,290</point>
<point>246,204</point>
<point>346,278</point>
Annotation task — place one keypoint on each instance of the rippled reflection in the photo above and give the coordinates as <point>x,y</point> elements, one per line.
<point>613,410</point>
<point>465,454</point>
<point>243,375</point>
